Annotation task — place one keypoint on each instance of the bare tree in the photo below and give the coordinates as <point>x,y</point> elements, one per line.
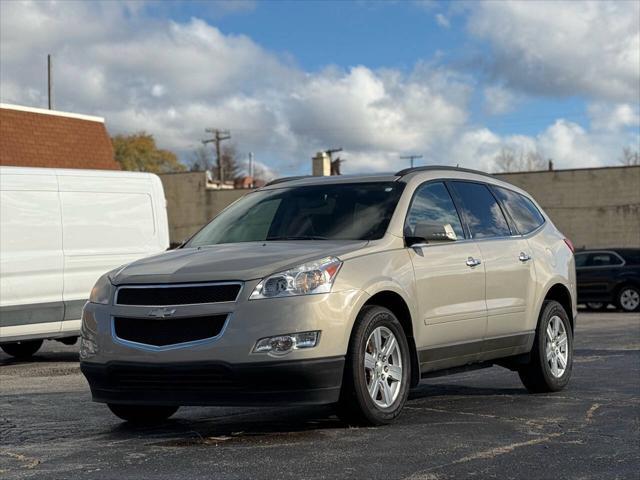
<point>508,160</point>
<point>201,159</point>
<point>230,163</point>
<point>630,156</point>
<point>505,160</point>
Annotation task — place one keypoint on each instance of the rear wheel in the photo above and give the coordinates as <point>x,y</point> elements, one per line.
<point>551,361</point>
<point>629,298</point>
<point>377,371</point>
<point>142,414</point>
<point>22,350</point>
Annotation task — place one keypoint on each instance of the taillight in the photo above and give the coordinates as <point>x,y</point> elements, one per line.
<point>570,245</point>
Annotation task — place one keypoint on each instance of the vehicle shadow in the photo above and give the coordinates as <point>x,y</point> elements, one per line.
<point>42,357</point>
<point>426,390</point>
<point>221,426</point>
<point>262,425</point>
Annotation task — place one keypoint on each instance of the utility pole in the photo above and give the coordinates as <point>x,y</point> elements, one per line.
<point>50,81</point>
<point>412,158</point>
<point>218,136</point>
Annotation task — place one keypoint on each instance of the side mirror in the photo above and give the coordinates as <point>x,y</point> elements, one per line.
<point>426,232</point>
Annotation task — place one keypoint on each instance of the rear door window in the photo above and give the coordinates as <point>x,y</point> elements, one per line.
<point>524,213</point>
<point>603,259</point>
<point>481,211</point>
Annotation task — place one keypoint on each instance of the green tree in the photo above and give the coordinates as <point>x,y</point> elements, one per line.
<point>138,152</point>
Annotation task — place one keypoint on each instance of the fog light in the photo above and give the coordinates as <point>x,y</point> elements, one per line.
<point>283,344</point>
<point>88,348</point>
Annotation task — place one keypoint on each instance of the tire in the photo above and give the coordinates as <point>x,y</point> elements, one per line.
<point>142,414</point>
<point>68,340</point>
<point>542,374</point>
<point>628,299</point>
<point>596,306</point>
<point>374,326</point>
<point>22,350</point>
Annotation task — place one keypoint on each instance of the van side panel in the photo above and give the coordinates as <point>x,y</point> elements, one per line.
<point>106,223</point>
<point>31,260</point>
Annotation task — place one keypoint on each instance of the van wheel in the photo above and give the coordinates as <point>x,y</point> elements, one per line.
<point>142,414</point>
<point>629,298</point>
<point>377,372</point>
<point>552,354</point>
<point>22,350</point>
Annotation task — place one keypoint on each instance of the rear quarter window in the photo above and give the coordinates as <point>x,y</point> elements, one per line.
<point>522,210</point>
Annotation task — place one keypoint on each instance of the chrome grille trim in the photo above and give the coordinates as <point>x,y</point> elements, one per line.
<point>175,285</point>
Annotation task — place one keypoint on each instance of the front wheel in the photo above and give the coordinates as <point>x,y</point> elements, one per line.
<point>551,361</point>
<point>629,298</point>
<point>142,414</point>
<point>377,370</point>
<point>22,350</point>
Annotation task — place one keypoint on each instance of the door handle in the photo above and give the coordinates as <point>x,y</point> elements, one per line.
<point>523,257</point>
<point>473,262</point>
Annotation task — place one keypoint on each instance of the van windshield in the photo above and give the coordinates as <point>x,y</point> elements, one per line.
<point>342,211</point>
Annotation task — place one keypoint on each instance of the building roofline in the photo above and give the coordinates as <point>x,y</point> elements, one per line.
<point>57,113</point>
<point>557,170</point>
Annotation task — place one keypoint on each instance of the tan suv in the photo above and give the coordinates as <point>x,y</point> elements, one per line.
<point>343,290</point>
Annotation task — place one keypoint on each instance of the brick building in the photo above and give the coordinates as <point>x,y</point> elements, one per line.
<point>34,137</point>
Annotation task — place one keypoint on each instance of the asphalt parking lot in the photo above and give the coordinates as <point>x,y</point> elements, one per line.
<point>480,424</point>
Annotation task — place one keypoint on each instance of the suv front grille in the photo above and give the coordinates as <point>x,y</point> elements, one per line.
<point>187,294</point>
<point>168,331</point>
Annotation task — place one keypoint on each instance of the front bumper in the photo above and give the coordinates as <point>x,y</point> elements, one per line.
<point>301,382</point>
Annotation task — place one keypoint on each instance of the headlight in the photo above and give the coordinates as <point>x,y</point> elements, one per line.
<point>310,278</point>
<point>101,291</point>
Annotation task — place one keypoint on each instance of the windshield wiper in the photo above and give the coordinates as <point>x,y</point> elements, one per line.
<point>296,237</point>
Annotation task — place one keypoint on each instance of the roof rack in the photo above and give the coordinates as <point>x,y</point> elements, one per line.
<point>429,168</point>
<point>285,179</point>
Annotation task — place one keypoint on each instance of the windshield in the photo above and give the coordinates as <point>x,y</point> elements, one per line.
<point>346,211</point>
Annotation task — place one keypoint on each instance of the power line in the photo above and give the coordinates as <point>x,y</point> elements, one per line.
<point>218,137</point>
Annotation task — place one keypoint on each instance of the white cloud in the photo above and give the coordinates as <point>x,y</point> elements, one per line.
<point>498,100</point>
<point>568,144</point>
<point>174,79</point>
<point>442,20</point>
<point>563,48</point>
<point>614,117</point>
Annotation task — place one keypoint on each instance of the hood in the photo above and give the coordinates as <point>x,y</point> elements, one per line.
<point>232,261</point>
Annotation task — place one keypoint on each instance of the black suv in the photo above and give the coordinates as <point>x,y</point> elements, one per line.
<point>609,276</point>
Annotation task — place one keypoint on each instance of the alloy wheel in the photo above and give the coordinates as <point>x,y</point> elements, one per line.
<point>629,299</point>
<point>383,367</point>
<point>557,347</point>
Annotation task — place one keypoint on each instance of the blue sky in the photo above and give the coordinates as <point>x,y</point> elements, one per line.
<point>459,82</point>
<point>378,34</point>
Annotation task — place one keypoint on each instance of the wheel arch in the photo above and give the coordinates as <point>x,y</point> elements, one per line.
<point>399,307</point>
<point>561,294</point>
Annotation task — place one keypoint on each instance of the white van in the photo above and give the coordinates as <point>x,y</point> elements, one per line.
<point>59,231</point>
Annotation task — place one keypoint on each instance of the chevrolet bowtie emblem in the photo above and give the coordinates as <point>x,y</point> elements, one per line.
<point>162,312</point>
